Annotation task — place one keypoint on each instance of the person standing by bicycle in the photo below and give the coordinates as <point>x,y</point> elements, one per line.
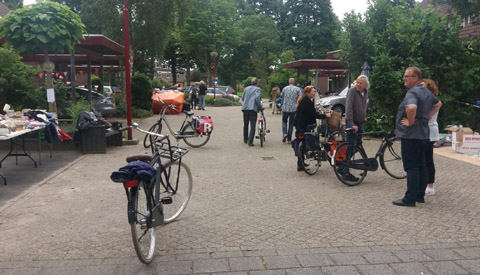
<point>202,91</point>
<point>252,102</point>
<point>356,114</point>
<point>290,95</point>
<point>306,115</point>
<point>411,125</point>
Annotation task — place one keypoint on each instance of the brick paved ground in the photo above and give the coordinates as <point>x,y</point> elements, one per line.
<point>251,212</point>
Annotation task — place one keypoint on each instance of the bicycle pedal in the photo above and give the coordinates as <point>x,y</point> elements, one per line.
<point>167,200</point>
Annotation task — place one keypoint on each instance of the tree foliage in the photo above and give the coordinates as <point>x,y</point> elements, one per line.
<point>15,79</point>
<point>310,28</point>
<point>45,26</point>
<point>396,36</point>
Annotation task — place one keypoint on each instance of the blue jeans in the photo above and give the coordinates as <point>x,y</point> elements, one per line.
<point>413,157</point>
<point>249,117</point>
<point>201,102</point>
<point>290,117</point>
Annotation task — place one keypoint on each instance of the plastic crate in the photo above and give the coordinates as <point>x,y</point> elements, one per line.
<point>94,140</point>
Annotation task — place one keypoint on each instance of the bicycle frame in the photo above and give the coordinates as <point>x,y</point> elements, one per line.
<point>176,134</point>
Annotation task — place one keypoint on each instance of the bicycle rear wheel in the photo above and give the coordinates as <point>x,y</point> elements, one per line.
<point>143,233</point>
<point>176,195</point>
<point>262,133</point>
<point>148,139</point>
<point>391,159</point>
<point>310,162</point>
<point>344,155</point>
<point>193,138</point>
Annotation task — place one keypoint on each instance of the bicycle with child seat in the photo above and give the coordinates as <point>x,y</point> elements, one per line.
<point>351,162</point>
<point>262,128</point>
<point>313,152</point>
<point>161,200</point>
<point>188,132</point>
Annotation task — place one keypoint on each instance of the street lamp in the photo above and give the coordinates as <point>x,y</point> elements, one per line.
<point>214,54</point>
<point>127,68</point>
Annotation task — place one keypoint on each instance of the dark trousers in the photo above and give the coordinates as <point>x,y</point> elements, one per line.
<point>429,162</point>
<point>413,157</point>
<point>193,101</point>
<point>249,117</point>
<point>290,118</point>
<point>351,137</point>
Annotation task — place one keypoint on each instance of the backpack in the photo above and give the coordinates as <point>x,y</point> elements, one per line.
<point>194,91</point>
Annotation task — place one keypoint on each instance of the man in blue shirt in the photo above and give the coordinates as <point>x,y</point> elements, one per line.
<point>411,125</point>
<point>290,95</point>
<point>252,102</point>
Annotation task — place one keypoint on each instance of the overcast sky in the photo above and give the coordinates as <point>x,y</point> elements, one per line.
<point>340,7</point>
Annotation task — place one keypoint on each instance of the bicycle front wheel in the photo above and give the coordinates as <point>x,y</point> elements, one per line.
<point>143,233</point>
<point>193,138</point>
<point>311,163</point>
<point>345,155</point>
<point>391,159</point>
<point>176,194</point>
<point>148,139</point>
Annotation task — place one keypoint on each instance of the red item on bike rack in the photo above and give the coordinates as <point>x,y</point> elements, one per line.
<point>129,184</point>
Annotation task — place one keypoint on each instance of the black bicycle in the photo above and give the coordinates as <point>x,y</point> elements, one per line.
<point>351,162</point>
<point>158,201</point>
<point>313,151</point>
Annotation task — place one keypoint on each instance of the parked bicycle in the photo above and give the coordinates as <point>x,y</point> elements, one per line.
<point>152,203</point>
<point>313,151</point>
<point>351,162</point>
<point>189,130</point>
<point>262,128</point>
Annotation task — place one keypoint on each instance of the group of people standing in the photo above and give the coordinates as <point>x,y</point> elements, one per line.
<point>415,125</point>
<point>197,95</point>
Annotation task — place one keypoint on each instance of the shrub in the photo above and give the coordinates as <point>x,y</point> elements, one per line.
<point>221,101</point>
<point>159,83</point>
<point>77,108</point>
<point>141,92</point>
<point>138,113</point>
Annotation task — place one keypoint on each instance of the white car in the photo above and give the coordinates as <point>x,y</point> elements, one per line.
<point>335,102</point>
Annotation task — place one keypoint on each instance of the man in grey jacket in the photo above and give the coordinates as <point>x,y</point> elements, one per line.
<point>252,102</point>
<point>356,112</point>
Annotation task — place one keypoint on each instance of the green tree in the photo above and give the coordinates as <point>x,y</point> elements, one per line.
<point>399,36</point>
<point>462,7</point>
<point>261,37</point>
<point>210,25</point>
<point>13,4</point>
<point>15,80</point>
<point>141,92</point>
<point>310,28</point>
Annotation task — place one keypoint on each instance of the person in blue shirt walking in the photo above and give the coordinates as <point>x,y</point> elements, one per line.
<point>289,95</point>
<point>252,103</point>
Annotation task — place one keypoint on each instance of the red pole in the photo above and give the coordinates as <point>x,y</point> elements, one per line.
<point>127,68</point>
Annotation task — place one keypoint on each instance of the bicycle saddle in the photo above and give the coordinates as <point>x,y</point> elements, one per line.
<point>311,126</point>
<point>144,158</point>
<point>189,113</point>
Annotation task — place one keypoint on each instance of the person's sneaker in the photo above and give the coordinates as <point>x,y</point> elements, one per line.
<point>429,191</point>
<point>350,177</point>
<point>284,138</point>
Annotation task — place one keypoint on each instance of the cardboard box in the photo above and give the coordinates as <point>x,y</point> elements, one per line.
<point>457,136</point>
<point>471,144</point>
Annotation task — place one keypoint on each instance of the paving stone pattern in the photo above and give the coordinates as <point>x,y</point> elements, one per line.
<point>251,212</point>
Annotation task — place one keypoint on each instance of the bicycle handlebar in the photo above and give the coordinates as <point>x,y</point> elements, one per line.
<point>160,136</point>
<point>171,106</point>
